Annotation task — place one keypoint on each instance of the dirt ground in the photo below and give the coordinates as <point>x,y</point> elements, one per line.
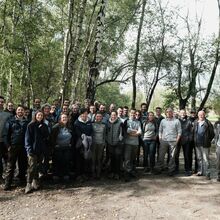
<point>148,197</point>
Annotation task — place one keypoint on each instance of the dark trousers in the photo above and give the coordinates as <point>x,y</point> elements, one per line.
<point>16,153</point>
<point>97,154</point>
<point>115,153</point>
<point>141,144</point>
<point>187,153</point>
<point>149,153</point>
<point>130,154</point>
<point>3,156</point>
<point>44,164</point>
<point>61,161</point>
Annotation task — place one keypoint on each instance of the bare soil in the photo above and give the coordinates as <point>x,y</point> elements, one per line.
<point>147,197</point>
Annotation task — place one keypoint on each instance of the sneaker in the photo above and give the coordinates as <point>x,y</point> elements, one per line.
<point>199,174</point>
<point>218,179</point>
<point>35,184</point>
<point>28,188</point>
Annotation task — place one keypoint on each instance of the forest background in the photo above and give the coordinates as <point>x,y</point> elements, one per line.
<point>126,52</point>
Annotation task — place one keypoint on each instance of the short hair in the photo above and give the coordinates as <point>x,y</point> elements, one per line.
<point>132,109</point>
<point>126,107</point>
<point>159,108</point>
<point>82,111</point>
<point>20,106</point>
<point>144,103</point>
<point>2,97</point>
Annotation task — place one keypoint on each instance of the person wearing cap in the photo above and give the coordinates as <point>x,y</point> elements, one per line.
<point>83,130</point>
<point>203,135</point>
<point>217,143</point>
<point>169,136</point>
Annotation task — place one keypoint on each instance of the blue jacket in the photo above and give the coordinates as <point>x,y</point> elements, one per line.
<point>36,138</point>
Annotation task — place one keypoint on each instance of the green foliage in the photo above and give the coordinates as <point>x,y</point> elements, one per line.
<point>110,93</point>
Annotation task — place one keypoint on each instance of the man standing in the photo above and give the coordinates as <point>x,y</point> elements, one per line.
<point>143,112</point>
<point>185,140</point>
<point>14,135</point>
<point>169,136</point>
<point>192,118</point>
<point>3,150</point>
<point>217,143</point>
<point>159,117</point>
<point>203,135</point>
<point>133,131</point>
<point>36,106</point>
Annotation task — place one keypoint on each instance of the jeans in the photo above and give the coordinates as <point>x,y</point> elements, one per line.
<point>149,153</point>
<point>164,147</point>
<point>203,160</point>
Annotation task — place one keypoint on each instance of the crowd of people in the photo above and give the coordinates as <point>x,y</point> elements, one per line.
<point>83,141</point>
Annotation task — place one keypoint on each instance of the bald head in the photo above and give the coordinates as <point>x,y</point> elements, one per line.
<point>201,115</point>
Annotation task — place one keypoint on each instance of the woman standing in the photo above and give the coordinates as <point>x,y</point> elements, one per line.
<point>61,142</point>
<point>35,143</point>
<point>149,138</point>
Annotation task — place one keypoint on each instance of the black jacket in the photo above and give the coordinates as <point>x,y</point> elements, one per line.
<point>209,133</point>
<point>14,131</point>
<point>36,138</point>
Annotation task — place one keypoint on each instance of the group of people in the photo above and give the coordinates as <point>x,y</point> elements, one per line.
<point>82,141</point>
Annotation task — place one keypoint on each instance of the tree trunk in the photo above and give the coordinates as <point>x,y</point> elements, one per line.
<point>134,94</point>
<point>94,66</point>
<point>214,68</point>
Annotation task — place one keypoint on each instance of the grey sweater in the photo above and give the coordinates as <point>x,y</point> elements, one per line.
<point>132,125</point>
<point>99,133</point>
<point>149,131</point>
<point>169,129</point>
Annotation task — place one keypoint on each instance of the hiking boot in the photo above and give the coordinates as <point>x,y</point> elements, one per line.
<point>35,184</point>
<point>28,188</point>
<point>7,186</point>
<point>208,177</point>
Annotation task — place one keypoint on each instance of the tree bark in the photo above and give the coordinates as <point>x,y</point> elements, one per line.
<point>94,65</point>
<point>134,94</point>
<point>215,65</point>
